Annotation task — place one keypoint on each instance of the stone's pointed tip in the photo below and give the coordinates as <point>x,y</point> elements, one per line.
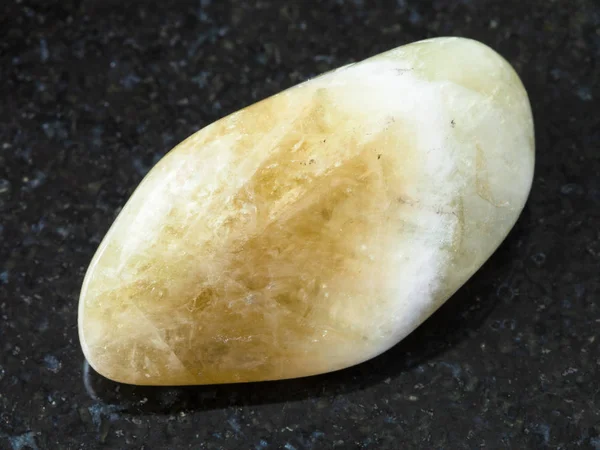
<point>313,230</point>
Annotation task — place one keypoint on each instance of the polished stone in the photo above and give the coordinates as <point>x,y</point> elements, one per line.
<point>317,228</point>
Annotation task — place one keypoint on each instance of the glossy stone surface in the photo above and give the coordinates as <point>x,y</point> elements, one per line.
<point>317,228</point>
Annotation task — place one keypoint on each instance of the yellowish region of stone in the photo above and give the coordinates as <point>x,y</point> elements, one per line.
<point>317,228</point>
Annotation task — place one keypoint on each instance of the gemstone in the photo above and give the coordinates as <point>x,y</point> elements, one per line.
<point>317,228</point>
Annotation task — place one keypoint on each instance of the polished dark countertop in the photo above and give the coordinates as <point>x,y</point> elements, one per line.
<point>94,92</point>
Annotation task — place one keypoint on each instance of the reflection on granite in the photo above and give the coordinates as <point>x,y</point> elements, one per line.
<point>95,92</point>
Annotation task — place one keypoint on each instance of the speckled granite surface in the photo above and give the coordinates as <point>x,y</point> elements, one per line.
<point>93,92</point>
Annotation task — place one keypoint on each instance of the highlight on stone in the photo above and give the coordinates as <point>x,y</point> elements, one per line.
<point>317,228</point>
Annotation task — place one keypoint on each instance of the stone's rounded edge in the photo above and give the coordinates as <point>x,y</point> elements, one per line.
<point>517,78</point>
<point>525,104</point>
<point>152,382</point>
<point>85,348</point>
<point>117,379</point>
<point>527,111</point>
<point>464,48</point>
<point>81,313</point>
<point>81,307</point>
<point>509,68</point>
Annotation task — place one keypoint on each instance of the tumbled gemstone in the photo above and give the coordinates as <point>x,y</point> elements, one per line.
<point>317,228</point>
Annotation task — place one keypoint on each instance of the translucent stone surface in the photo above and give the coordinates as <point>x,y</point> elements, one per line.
<point>317,228</point>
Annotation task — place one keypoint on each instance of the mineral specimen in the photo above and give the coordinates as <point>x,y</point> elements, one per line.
<point>317,228</point>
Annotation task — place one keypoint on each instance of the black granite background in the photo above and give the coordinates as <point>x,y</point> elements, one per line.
<point>94,92</point>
